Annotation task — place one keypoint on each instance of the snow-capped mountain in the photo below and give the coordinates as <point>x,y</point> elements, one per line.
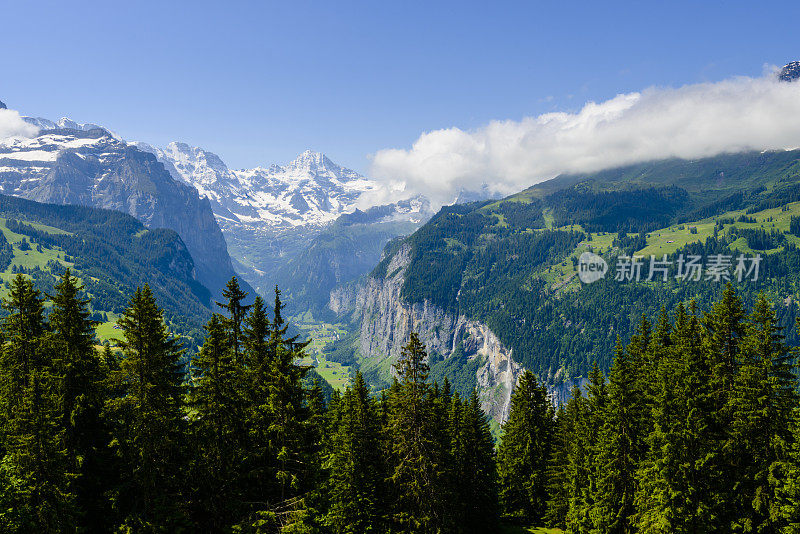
<point>62,123</point>
<point>267,215</point>
<point>270,215</point>
<point>309,191</point>
<point>790,72</point>
<point>70,163</point>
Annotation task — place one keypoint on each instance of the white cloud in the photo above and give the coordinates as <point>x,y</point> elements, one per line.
<point>12,125</point>
<point>687,122</point>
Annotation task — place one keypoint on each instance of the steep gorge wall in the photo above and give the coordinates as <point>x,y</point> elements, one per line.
<point>385,322</point>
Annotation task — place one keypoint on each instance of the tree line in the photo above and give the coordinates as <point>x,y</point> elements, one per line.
<point>695,430</point>
<point>124,439</point>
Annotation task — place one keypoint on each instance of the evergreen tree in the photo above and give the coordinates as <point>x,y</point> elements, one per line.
<point>762,401</point>
<point>279,470</point>
<point>149,419</point>
<point>524,452</point>
<point>560,470</point>
<point>237,311</point>
<point>666,500</point>
<point>215,428</point>
<point>353,459</point>
<point>620,447</point>
<point>477,483</point>
<point>584,470</point>
<point>34,468</point>
<point>414,473</point>
<point>81,388</point>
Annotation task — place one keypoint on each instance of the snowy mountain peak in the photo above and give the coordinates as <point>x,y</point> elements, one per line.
<point>311,161</point>
<point>310,191</point>
<point>790,72</point>
<point>2,106</point>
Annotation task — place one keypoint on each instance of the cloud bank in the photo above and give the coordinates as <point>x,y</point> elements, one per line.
<point>12,125</point>
<point>688,122</point>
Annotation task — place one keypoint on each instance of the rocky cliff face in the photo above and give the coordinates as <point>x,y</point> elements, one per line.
<point>94,168</point>
<point>386,322</point>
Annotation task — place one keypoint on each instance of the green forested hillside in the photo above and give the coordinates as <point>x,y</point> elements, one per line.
<point>112,254</point>
<point>512,263</point>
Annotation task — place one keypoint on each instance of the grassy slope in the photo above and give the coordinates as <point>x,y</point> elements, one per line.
<point>33,258</point>
<point>668,240</point>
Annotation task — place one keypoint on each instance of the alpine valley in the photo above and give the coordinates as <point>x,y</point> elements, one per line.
<point>490,285</point>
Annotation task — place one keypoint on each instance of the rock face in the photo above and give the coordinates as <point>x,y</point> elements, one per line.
<point>790,72</point>
<point>2,106</point>
<point>94,168</point>
<point>386,322</point>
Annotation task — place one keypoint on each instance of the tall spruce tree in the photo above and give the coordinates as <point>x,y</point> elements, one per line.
<point>584,470</point>
<point>414,472</point>
<point>217,404</point>
<point>620,447</point>
<point>279,469</point>
<point>666,498</point>
<point>353,459</point>
<point>149,419</point>
<point>81,376</point>
<point>562,466</point>
<point>762,401</point>
<point>477,488</point>
<point>524,452</point>
<point>237,311</point>
<point>35,467</point>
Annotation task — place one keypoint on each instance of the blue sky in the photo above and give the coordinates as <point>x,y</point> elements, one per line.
<point>258,83</point>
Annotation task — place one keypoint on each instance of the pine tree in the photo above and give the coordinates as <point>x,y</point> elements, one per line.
<point>279,469</point>
<point>560,475</point>
<point>81,387</point>
<point>763,398</point>
<point>353,459</point>
<point>35,466</point>
<point>478,481</point>
<point>663,497</point>
<point>414,474</point>
<point>584,470</point>
<point>524,452</point>
<point>620,447</point>
<point>150,426</point>
<point>216,428</point>
<point>237,311</point>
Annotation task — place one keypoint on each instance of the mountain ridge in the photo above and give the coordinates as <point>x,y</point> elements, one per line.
<point>90,166</point>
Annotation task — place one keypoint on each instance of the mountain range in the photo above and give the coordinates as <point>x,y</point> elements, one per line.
<point>269,215</point>
<point>491,285</point>
<point>85,165</point>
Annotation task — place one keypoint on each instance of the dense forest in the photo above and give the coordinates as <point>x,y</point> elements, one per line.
<point>696,429</point>
<point>121,439</point>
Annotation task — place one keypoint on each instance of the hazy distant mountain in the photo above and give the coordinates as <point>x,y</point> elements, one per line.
<point>272,215</point>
